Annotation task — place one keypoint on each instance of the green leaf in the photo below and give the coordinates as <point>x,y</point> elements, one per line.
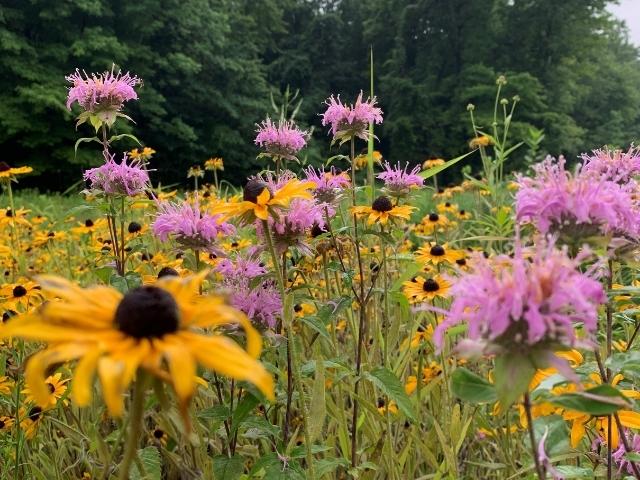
<point>513,373</point>
<point>391,386</point>
<point>124,135</point>
<point>150,459</point>
<point>435,170</point>
<point>316,324</point>
<point>84,140</point>
<point>318,407</point>
<point>601,400</point>
<point>228,468</point>
<point>557,441</point>
<point>246,405</point>
<point>472,388</point>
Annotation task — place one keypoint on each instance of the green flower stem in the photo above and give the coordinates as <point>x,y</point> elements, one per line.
<point>135,426</point>
<point>287,309</point>
<point>532,438</point>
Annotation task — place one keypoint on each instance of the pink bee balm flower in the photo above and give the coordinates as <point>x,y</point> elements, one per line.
<point>114,178</point>
<point>329,185</point>
<point>105,91</point>
<point>189,226</point>
<point>614,165</point>
<point>526,301</point>
<point>398,182</point>
<point>351,120</point>
<point>576,205</point>
<point>283,139</point>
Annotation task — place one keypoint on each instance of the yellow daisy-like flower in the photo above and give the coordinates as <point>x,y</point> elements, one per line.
<point>361,161</point>
<point>6,423</point>
<point>9,173</point>
<point>447,207</point>
<point>432,222</point>
<point>419,289</point>
<point>481,141</point>
<point>6,384</point>
<point>160,329</point>
<point>57,387</point>
<point>214,163</point>
<point>195,172</point>
<point>142,154</point>
<point>384,408</point>
<point>436,254</point>
<point>432,162</point>
<point>260,202</point>
<point>20,295</point>
<point>381,210</point>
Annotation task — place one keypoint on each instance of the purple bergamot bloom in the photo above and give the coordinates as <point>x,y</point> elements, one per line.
<point>190,227</point>
<point>398,182</point>
<point>105,91</point>
<point>281,140</point>
<point>524,303</point>
<point>329,185</point>
<point>348,121</point>
<point>615,165</point>
<point>112,178</point>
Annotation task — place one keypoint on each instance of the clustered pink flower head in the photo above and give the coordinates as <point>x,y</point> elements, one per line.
<point>329,185</point>
<point>114,178</point>
<point>620,456</point>
<point>189,226</point>
<point>615,165</point>
<point>531,300</point>
<point>576,205</point>
<point>283,139</point>
<point>398,182</point>
<point>105,91</point>
<point>351,120</point>
<point>262,302</point>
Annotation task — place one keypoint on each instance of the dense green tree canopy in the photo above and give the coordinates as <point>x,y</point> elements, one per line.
<point>208,67</point>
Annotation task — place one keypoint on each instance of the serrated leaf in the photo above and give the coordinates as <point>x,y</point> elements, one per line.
<point>151,461</point>
<point>472,388</point>
<point>391,386</point>
<point>228,468</point>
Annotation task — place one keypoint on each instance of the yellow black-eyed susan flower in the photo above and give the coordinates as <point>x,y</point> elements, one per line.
<point>57,387</point>
<point>19,295</point>
<point>261,201</point>
<point>419,289</point>
<point>159,329</point>
<point>214,163</point>
<point>6,423</point>
<point>6,384</point>
<point>480,141</point>
<point>432,162</point>
<point>436,254</point>
<point>382,210</point>
<point>8,173</point>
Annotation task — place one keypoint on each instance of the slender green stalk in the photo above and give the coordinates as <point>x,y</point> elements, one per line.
<point>135,426</point>
<point>532,437</point>
<point>291,346</point>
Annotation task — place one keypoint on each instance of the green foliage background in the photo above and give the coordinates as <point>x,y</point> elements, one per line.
<point>208,67</point>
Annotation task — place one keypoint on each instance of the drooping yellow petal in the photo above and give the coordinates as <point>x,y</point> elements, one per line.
<point>224,356</point>
<point>577,432</point>
<point>264,197</point>
<point>41,361</point>
<point>182,367</point>
<point>83,378</point>
<point>629,419</point>
<point>110,372</point>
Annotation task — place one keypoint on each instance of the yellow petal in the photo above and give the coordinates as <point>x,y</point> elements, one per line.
<point>83,378</point>
<point>182,368</point>
<point>110,372</point>
<point>629,419</point>
<point>224,356</point>
<point>577,432</point>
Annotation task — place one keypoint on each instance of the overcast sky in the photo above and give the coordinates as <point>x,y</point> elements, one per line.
<point>629,11</point>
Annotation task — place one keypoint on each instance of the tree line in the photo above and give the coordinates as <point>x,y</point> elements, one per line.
<point>210,66</point>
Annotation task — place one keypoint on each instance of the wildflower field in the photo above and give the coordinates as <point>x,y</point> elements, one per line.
<point>350,319</point>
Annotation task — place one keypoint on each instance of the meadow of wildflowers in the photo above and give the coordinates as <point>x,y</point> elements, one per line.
<point>345,320</point>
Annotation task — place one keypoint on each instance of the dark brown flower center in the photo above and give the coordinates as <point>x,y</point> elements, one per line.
<point>437,250</point>
<point>168,272</point>
<point>462,212</point>
<point>430,285</point>
<point>134,227</point>
<point>147,312</point>
<point>157,433</point>
<point>51,387</point>
<point>88,223</point>
<point>19,291</point>
<point>4,167</point>
<point>253,189</point>
<point>434,217</point>
<point>461,261</point>
<point>382,204</point>
<point>2,424</point>
<point>34,413</point>
<point>9,212</point>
